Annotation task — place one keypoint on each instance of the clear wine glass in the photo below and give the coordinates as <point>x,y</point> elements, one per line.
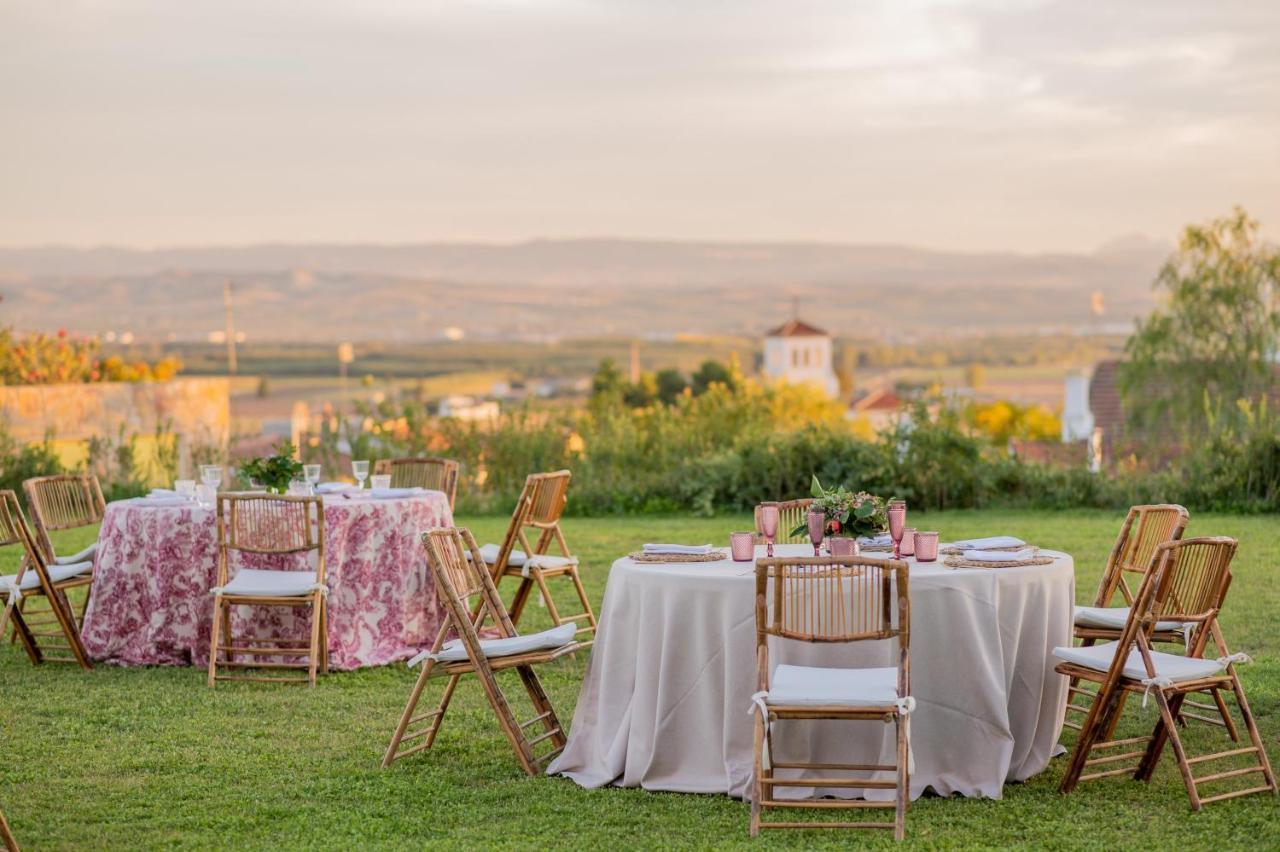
<point>312,474</point>
<point>211,475</point>
<point>817,523</point>
<point>897,523</point>
<point>360,470</point>
<point>769,517</point>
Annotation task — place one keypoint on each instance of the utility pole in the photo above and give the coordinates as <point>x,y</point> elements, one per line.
<point>635,362</point>
<point>231,328</point>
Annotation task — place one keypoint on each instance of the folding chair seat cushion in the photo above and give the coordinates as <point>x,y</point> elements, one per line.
<point>518,559</point>
<point>85,555</point>
<point>812,686</point>
<point>1115,618</point>
<point>557,637</point>
<point>57,573</point>
<point>257,583</point>
<point>1172,667</point>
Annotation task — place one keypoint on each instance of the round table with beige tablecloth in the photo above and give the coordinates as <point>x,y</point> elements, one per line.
<point>665,704</point>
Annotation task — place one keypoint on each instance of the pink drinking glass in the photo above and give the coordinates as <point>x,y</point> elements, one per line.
<point>742,546</point>
<point>842,545</point>
<point>908,541</point>
<point>769,517</point>
<point>926,547</point>
<point>897,523</point>
<point>817,522</point>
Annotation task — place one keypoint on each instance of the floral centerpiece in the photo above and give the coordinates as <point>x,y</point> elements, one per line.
<point>847,513</point>
<point>273,472</point>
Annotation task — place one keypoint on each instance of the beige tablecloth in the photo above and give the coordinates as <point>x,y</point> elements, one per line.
<point>665,701</point>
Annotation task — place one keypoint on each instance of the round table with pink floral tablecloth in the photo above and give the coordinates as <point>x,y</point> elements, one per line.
<point>157,561</point>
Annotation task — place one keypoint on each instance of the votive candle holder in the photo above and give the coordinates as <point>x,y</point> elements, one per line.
<point>908,547</point>
<point>742,546</point>
<point>926,546</point>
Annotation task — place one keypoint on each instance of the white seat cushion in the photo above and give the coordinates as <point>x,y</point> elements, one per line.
<point>85,555</point>
<point>1171,666</point>
<point>256,583</point>
<point>490,555</point>
<point>811,686</point>
<point>518,559</point>
<point>556,637</point>
<point>1115,617</point>
<point>57,573</point>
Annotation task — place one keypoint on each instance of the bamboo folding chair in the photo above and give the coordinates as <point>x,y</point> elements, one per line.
<point>35,577</point>
<point>842,599</point>
<point>434,473</point>
<point>456,563</point>
<point>267,524</point>
<point>540,506</point>
<point>64,502</point>
<point>1189,584</point>
<point>791,514</point>
<point>10,842</point>
<point>1144,529</point>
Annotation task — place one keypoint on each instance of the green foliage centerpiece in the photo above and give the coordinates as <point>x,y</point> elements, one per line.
<point>274,472</point>
<point>847,513</point>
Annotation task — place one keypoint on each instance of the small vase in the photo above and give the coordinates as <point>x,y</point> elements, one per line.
<point>843,545</point>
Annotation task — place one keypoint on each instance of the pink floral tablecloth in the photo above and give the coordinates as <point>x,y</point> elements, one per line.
<point>150,603</point>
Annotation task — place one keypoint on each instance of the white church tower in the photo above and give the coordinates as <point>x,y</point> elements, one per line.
<point>800,353</point>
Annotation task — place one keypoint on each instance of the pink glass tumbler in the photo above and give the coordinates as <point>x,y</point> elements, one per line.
<point>908,547</point>
<point>926,547</point>
<point>817,523</point>
<point>769,517</point>
<point>897,523</point>
<point>742,546</point>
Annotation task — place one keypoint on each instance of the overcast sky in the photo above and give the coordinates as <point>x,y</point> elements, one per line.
<point>965,125</point>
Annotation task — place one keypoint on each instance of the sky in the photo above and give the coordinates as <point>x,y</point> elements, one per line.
<point>1012,125</point>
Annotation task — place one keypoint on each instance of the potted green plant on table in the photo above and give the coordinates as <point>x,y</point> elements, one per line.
<point>846,516</point>
<point>274,473</point>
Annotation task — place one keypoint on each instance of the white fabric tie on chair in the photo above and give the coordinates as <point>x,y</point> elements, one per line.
<point>14,591</point>
<point>759,703</point>
<point>1162,682</point>
<point>1238,657</point>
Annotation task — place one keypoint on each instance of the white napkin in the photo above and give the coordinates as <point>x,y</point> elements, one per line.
<point>989,543</point>
<point>333,487</point>
<point>685,549</point>
<point>877,540</point>
<point>999,555</point>
<point>391,493</point>
<point>163,501</point>
<point>163,492</point>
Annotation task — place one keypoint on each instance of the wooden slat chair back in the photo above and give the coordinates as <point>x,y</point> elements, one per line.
<point>1189,584</point>
<point>538,513</point>
<point>436,474</point>
<point>63,502</point>
<point>39,638</point>
<point>791,514</point>
<point>1145,528</point>
<point>471,600</point>
<point>832,600</point>
<point>260,525</point>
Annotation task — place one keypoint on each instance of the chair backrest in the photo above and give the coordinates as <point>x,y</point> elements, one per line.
<point>63,502</point>
<point>466,587</point>
<point>791,514</point>
<point>14,530</point>
<point>1145,529</point>
<point>435,473</point>
<point>270,524</point>
<point>540,506</point>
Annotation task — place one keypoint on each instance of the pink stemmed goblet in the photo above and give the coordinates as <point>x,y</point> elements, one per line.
<point>897,523</point>
<point>769,524</point>
<point>817,523</point>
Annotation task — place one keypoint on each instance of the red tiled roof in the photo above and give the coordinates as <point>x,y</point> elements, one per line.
<point>796,328</point>
<point>877,400</point>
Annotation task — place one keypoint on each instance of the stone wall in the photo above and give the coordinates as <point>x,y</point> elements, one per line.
<point>197,410</point>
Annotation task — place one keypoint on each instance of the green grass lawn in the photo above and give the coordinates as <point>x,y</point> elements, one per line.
<point>143,758</point>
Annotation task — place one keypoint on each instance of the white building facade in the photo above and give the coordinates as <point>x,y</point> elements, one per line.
<point>799,353</point>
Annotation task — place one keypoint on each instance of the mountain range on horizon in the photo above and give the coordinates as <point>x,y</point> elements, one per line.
<point>571,288</point>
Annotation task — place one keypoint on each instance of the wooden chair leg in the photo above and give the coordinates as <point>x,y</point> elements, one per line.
<point>546,595</point>
<point>6,835</point>
<point>1168,714</point>
<point>1091,730</point>
<point>1225,712</point>
<point>324,634</point>
<point>215,638</point>
<point>313,658</point>
<point>1155,746</point>
<point>406,717</point>
<point>582,598</point>
<point>22,634</point>
<point>507,720</point>
<point>542,706</point>
<point>66,618</point>
<point>521,598</point>
<point>757,780</point>
<point>1251,725</point>
<point>904,779</point>
<point>227,636</point>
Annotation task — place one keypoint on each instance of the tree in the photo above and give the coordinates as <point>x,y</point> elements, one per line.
<point>608,383</point>
<point>641,394</point>
<point>1214,343</point>
<point>671,383</point>
<point>713,372</point>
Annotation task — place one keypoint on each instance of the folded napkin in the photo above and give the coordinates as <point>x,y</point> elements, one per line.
<point>999,555</point>
<point>876,540</point>
<point>163,492</point>
<point>989,543</point>
<point>686,549</point>
<point>333,487</point>
<point>391,493</point>
<point>163,501</point>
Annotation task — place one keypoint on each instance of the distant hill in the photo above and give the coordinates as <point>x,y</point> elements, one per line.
<point>568,288</point>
